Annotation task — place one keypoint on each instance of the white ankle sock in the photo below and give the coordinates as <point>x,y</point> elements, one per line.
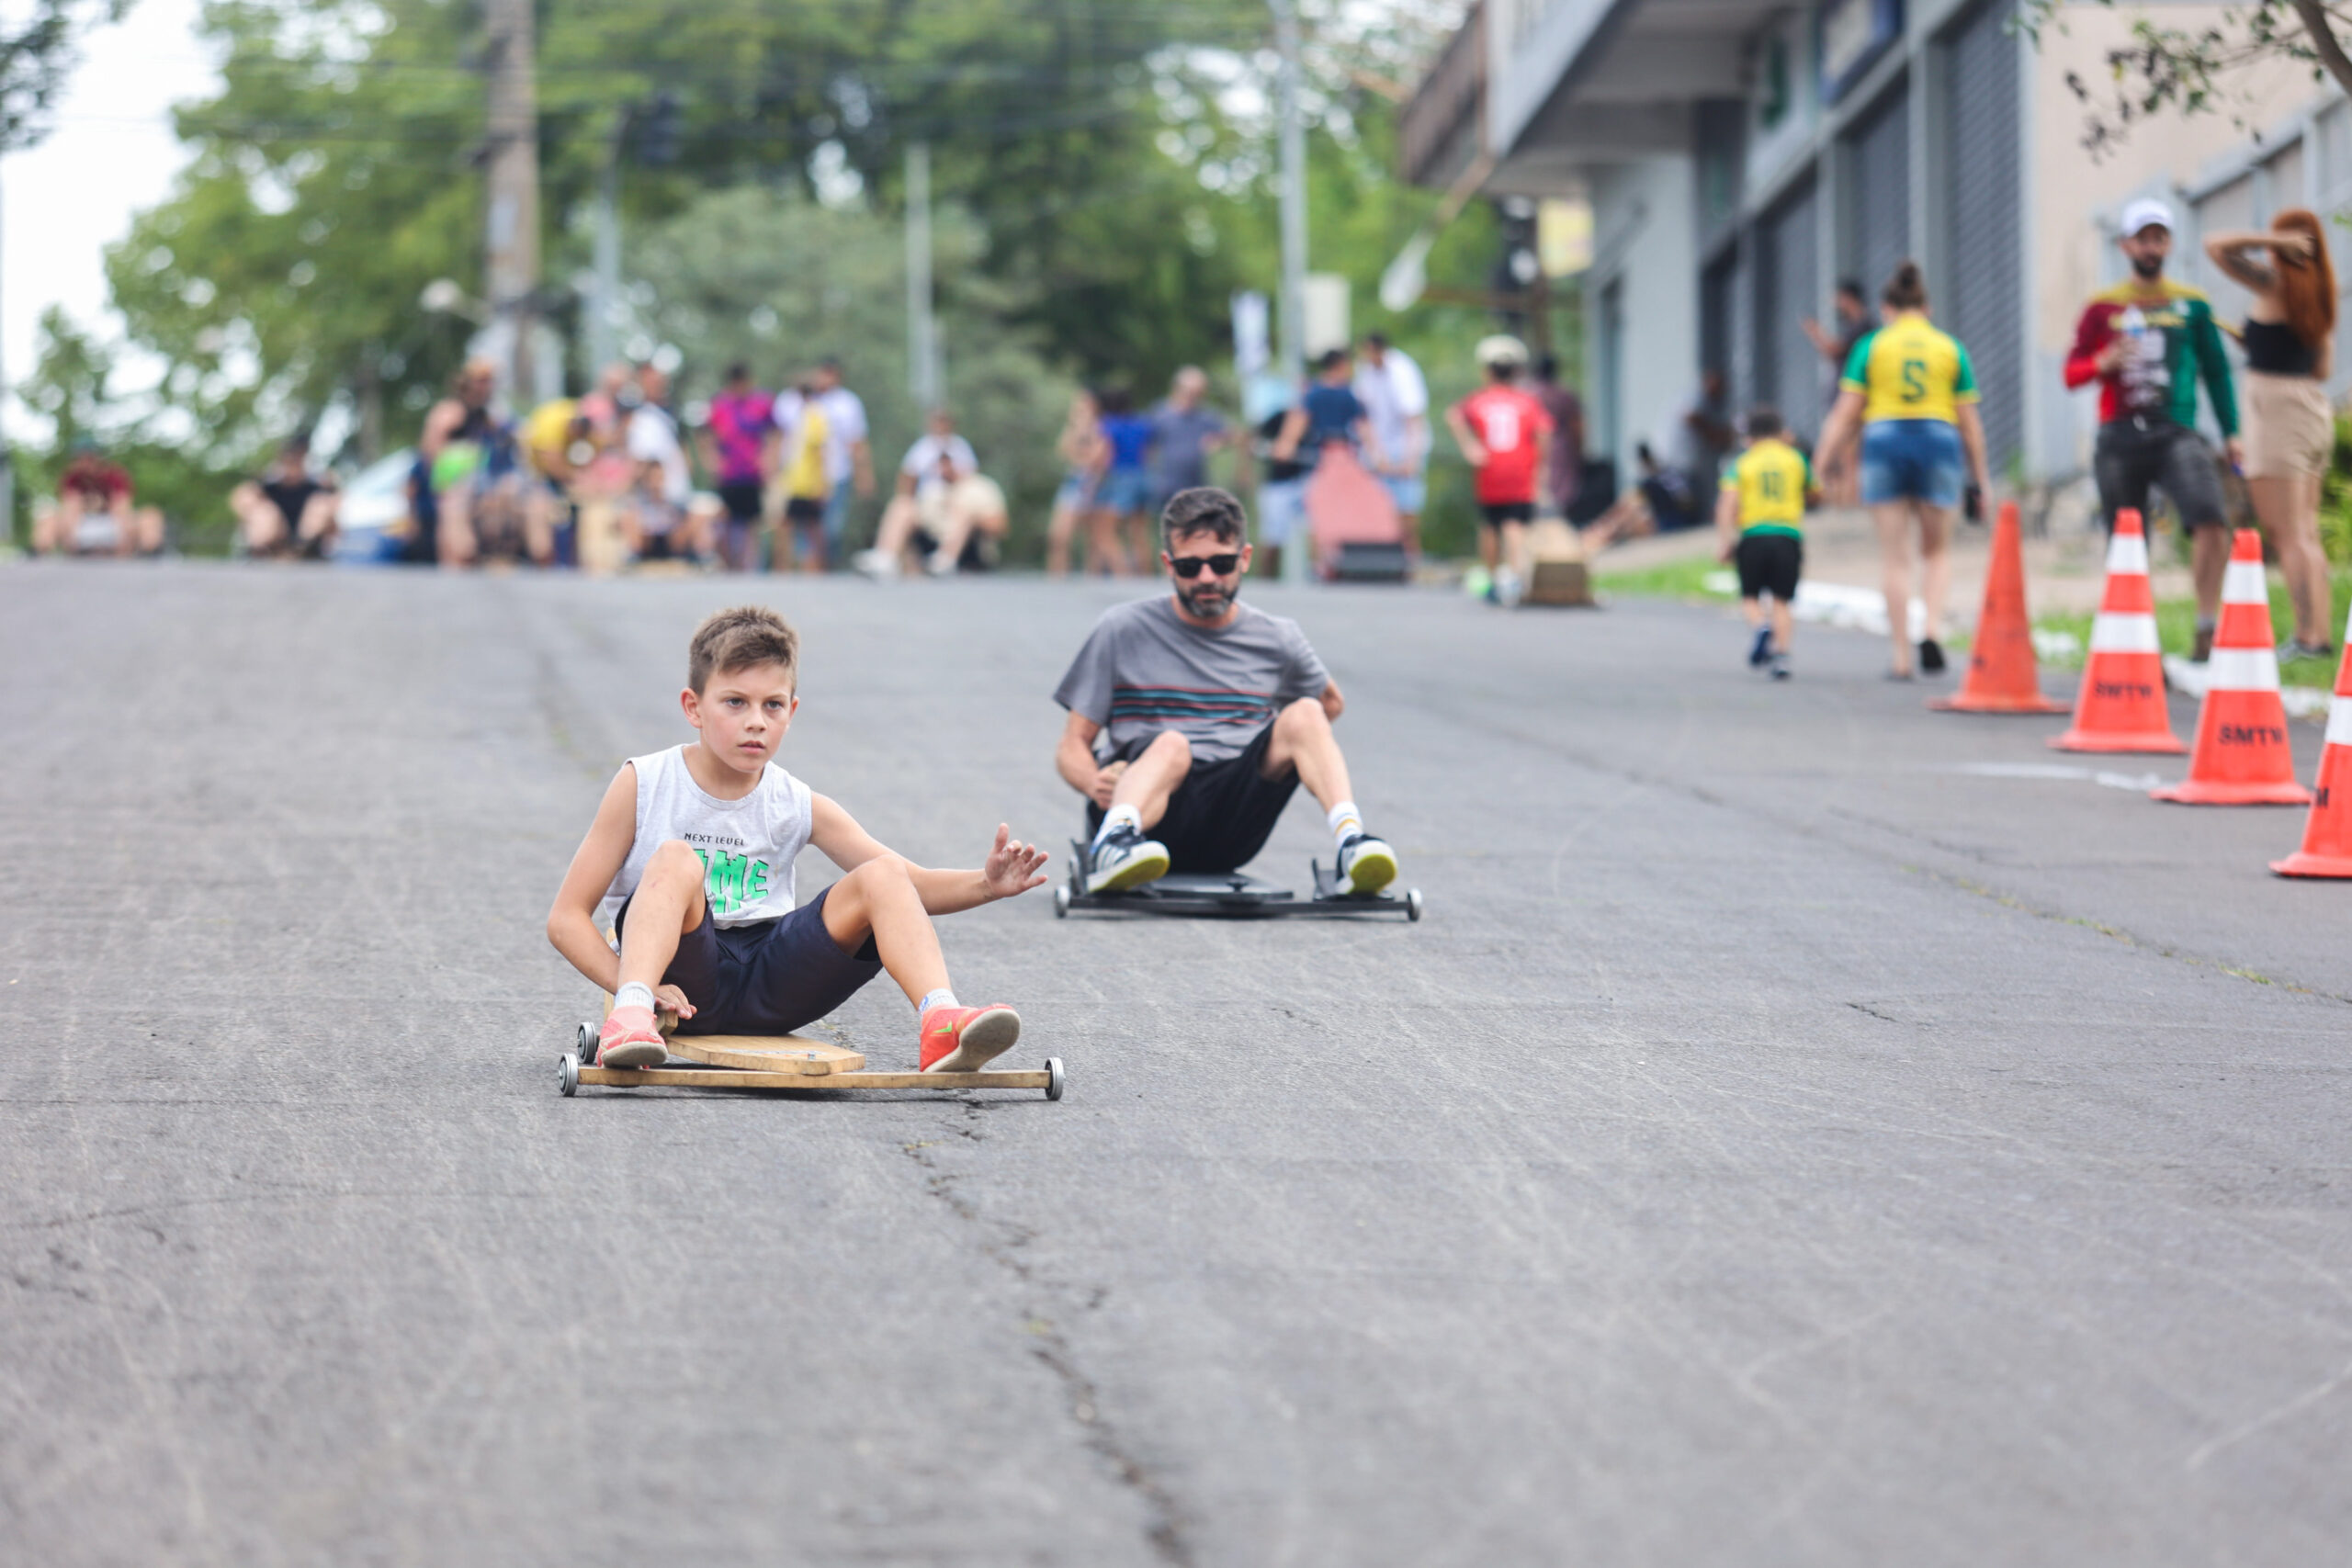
<point>636,994</point>
<point>1345,820</point>
<point>942,997</point>
<point>1113,818</point>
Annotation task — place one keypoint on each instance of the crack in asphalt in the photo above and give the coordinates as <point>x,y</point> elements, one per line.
<point>1000,1241</point>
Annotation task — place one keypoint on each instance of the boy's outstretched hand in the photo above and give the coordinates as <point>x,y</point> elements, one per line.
<point>1012,866</point>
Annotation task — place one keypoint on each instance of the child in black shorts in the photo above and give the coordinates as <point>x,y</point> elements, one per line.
<point>1760,517</point>
<point>691,859</point>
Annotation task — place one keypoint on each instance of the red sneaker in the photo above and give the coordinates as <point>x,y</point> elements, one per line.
<point>963,1040</point>
<point>626,1041</point>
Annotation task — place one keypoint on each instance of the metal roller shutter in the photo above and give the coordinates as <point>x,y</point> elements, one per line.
<point>1878,193</point>
<point>1789,370</point>
<point>1983,302</point>
<point>1715,284</point>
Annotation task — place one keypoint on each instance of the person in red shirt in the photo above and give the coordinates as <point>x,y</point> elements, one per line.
<point>94,515</point>
<point>1506,436</point>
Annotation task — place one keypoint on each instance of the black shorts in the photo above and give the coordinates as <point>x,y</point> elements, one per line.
<point>1769,563</point>
<point>1495,514</point>
<point>1222,813</point>
<point>805,510</point>
<point>742,500</point>
<point>769,977</point>
<point>2133,455</point>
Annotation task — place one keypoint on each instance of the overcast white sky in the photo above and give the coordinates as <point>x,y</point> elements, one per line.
<point>112,152</point>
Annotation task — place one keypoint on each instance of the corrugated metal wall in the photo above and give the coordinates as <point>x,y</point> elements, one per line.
<point>1878,193</point>
<point>1790,374</point>
<point>1981,302</point>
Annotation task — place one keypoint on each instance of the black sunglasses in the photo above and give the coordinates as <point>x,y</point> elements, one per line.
<point>1190,566</point>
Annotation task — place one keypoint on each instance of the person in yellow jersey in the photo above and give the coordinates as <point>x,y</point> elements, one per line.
<point>1759,516</point>
<point>1910,393</point>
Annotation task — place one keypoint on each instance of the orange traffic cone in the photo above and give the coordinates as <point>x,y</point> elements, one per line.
<point>2121,706</point>
<point>2242,757</point>
<point>2001,674</point>
<point>2327,837</point>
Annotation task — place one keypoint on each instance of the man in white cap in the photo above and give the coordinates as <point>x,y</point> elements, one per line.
<point>2147,342</point>
<point>1505,435</point>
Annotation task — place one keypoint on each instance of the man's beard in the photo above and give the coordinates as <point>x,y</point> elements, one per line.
<point>2149,268</point>
<point>1210,600</point>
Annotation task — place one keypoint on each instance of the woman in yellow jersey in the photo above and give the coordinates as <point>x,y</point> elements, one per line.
<point>1909,390</point>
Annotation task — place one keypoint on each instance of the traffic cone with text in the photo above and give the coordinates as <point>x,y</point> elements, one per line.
<point>2001,673</point>
<point>2242,756</point>
<point>2121,706</point>
<point>2327,837</point>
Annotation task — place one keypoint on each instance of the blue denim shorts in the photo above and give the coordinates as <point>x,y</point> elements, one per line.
<point>1124,490</point>
<point>1408,490</point>
<point>1911,459</point>
<point>1282,510</point>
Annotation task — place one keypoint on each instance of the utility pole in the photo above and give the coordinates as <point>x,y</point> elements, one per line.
<point>512,248</point>
<point>1292,309</point>
<point>922,331</point>
<point>7,469</point>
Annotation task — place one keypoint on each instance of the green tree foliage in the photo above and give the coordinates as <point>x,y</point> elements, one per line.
<point>36,51</point>
<point>2185,70</point>
<point>1112,164</point>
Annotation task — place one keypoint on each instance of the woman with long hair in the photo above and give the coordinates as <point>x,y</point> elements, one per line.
<point>1911,392</point>
<point>1082,451</point>
<point>2290,426</point>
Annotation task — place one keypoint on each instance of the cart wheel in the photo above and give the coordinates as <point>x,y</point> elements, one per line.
<point>586,1040</point>
<point>566,1074</point>
<point>1061,903</point>
<point>1412,904</point>
<point>1053,1077</point>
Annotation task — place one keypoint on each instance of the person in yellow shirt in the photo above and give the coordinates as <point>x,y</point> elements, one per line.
<point>1760,517</point>
<point>1910,393</point>
<point>805,487</point>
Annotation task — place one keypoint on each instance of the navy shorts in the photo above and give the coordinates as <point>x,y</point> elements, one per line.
<point>1221,815</point>
<point>1912,459</point>
<point>769,977</point>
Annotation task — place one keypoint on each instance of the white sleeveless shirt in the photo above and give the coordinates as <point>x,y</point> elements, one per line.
<point>747,846</point>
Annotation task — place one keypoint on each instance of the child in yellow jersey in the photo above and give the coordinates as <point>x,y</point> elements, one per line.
<point>1759,516</point>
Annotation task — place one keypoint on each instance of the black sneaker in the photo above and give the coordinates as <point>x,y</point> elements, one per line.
<point>1760,653</point>
<point>1366,864</point>
<point>2201,650</point>
<point>1931,657</point>
<point>1125,859</point>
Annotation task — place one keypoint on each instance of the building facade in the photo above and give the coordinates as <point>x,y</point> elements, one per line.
<point>1741,158</point>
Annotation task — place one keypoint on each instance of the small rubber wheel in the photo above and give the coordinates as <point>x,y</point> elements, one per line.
<point>1053,1077</point>
<point>566,1074</point>
<point>1061,903</point>
<point>1412,904</point>
<point>586,1041</point>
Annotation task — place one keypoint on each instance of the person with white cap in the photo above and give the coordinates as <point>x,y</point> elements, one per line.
<point>2148,341</point>
<point>1505,435</point>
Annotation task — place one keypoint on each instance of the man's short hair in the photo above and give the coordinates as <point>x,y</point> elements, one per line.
<point>1332,359</point>
<point>1204,509</point>
<point>740,638</point>
<point>1853,285</point>
<point>1763,421</point>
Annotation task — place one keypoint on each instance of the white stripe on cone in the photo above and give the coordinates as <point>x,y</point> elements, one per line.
<point>2126,553</point>
<point>2339,722</point>
<point>2243,669</point>
<point>2124,633</point>
<point>2243,583</point>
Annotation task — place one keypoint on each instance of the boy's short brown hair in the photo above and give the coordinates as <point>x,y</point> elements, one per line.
<point>740,638</point>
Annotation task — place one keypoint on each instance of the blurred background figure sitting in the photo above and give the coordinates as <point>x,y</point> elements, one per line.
<point>945,509</point>
<point>94,515</point>
<point>290,511</point>
<point>484,510</point>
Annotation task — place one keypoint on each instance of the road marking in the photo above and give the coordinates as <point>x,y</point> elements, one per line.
<point>2061,771</point>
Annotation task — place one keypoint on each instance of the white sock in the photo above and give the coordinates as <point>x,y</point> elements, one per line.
<point>942,997</point>
<point>1345,820</point>
<point>1113,818</point>
<point>636,994</point>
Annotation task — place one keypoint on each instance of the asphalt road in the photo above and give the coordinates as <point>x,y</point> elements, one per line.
<point>1805,1130</point>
